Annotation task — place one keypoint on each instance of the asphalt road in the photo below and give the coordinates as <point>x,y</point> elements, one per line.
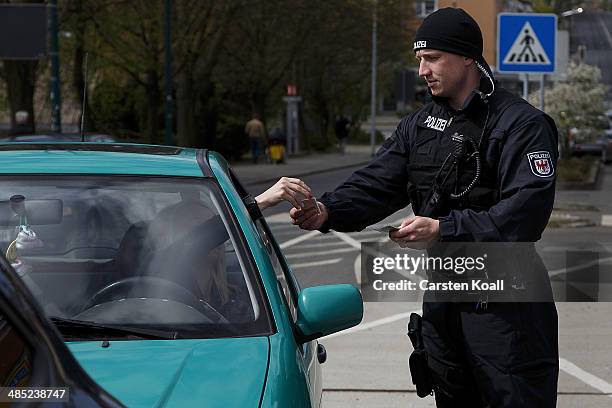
<point>367,366</point>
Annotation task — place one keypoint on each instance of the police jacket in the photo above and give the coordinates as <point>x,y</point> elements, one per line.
<point>512,199</point>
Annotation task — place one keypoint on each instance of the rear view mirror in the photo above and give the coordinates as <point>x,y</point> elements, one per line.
<point>38,212</point>
<point>324,310</point>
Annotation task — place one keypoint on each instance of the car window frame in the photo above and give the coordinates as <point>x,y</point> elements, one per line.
<point>289,279</point>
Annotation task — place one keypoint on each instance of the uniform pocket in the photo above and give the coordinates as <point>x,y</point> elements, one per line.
<point>493,148</point>
<point>425,143</point>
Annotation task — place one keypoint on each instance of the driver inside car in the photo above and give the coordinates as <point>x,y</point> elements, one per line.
<point>188,243</point>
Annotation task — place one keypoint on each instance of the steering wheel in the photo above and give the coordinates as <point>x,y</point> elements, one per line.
<point>154,287</point>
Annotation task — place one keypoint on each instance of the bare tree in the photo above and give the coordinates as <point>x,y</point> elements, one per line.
<point>201,30</point>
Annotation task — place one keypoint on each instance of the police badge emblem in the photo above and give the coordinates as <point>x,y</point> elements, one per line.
<point>541,163</point>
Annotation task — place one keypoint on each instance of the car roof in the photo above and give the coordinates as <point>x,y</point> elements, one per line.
<point>100,158</point>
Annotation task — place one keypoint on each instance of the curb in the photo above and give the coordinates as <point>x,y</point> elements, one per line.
<point>305,173</point>
<point>606,220</point>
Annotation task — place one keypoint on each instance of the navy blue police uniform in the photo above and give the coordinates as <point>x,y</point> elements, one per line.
<point>504,355</point>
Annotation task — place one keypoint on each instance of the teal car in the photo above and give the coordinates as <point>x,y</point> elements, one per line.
<point>176,293</point>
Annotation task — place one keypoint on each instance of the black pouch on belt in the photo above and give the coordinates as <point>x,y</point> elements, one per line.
<point>419,369</point>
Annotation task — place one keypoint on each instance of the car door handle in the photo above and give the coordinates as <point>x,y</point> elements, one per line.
<point>321,353</point>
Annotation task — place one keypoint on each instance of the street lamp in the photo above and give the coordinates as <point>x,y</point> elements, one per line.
<point>572,12</point>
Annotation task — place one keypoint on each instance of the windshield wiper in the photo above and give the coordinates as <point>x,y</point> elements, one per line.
<point>80,326</point>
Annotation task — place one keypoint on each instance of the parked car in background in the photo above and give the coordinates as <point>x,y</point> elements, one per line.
<point>183,298</point>
<point>59,137</point>
<point>601,147</point>
<point>608,143</point>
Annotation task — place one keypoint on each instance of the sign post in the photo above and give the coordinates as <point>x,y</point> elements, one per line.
<point>526,43</point>
<point>293,137</point>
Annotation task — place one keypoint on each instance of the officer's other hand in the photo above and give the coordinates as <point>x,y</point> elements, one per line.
<point>309,219</point>
<point>286,188</point>
<point>417,232</point>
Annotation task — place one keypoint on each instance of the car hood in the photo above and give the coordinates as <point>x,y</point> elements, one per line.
<point>179,373</point>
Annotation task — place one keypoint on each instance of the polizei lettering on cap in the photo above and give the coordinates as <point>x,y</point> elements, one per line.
<point>420,44</point>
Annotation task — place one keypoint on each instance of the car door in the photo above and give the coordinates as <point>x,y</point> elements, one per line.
<point>35,364</point>
<point>311,353</point>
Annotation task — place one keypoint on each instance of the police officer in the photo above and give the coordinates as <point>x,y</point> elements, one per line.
<point>504,354</point>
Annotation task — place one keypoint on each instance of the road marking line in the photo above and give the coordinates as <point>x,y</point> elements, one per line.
<point>606,219</point>
<point>357,269</point>
<point>320,253</point>
<point>605,30</point>
<point>356,244</point>
<point>565,365</point>
<point>348,239</point>
<point>316,234</point>
<point>578,267</point>
<point>299,239</point>
<point>585,377</point>
<point>288,233</point>
<point>284,227</point>
<point>358,234</point>
<point>317,263</point>
<point>322,245</point>
<point>374,323</point>
<point>280,218</point>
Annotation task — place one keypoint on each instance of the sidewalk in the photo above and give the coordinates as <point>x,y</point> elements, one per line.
<point>301,166</point>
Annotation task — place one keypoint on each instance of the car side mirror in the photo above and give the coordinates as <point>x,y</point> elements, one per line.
<point>327,309</point>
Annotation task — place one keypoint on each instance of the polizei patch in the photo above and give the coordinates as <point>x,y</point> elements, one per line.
<point>541,163</point>
<point>435,123</point>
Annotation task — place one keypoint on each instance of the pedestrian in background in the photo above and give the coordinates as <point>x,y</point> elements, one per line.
<point>500,187</point>
<point>256,132</point>
<point>276,146</point>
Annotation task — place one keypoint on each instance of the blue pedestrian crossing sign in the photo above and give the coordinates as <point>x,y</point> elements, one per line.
<point>526,42</point>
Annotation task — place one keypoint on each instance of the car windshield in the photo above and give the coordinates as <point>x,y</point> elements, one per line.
<point>154,254</point>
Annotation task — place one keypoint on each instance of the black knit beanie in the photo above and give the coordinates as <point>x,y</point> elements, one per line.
<point>452,30</point>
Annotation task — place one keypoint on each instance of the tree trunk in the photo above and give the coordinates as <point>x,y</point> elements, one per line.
<point>78,58</point>
<point>20,84</point>
<point>564,147</point>
<point>209,115</point>
<point>152,92</point>
<point>185,112</point>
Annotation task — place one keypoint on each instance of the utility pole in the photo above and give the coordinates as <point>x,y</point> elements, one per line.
<point>542,83</point>
<point>56,97</point>
<point>168,74</point>
<point>373,90</point>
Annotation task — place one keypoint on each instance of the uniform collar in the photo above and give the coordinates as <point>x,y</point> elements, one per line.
<point>474,99</point>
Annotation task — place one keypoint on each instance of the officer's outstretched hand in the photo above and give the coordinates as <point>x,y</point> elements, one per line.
<point>417,232</point>
<point>309,219</point>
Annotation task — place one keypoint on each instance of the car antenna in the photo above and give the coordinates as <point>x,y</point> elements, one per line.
<point>84,101</point>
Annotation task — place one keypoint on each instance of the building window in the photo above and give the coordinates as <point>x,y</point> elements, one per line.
<point>425,7</point>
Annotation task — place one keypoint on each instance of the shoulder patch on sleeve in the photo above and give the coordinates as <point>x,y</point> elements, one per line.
<point>541,163</point>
